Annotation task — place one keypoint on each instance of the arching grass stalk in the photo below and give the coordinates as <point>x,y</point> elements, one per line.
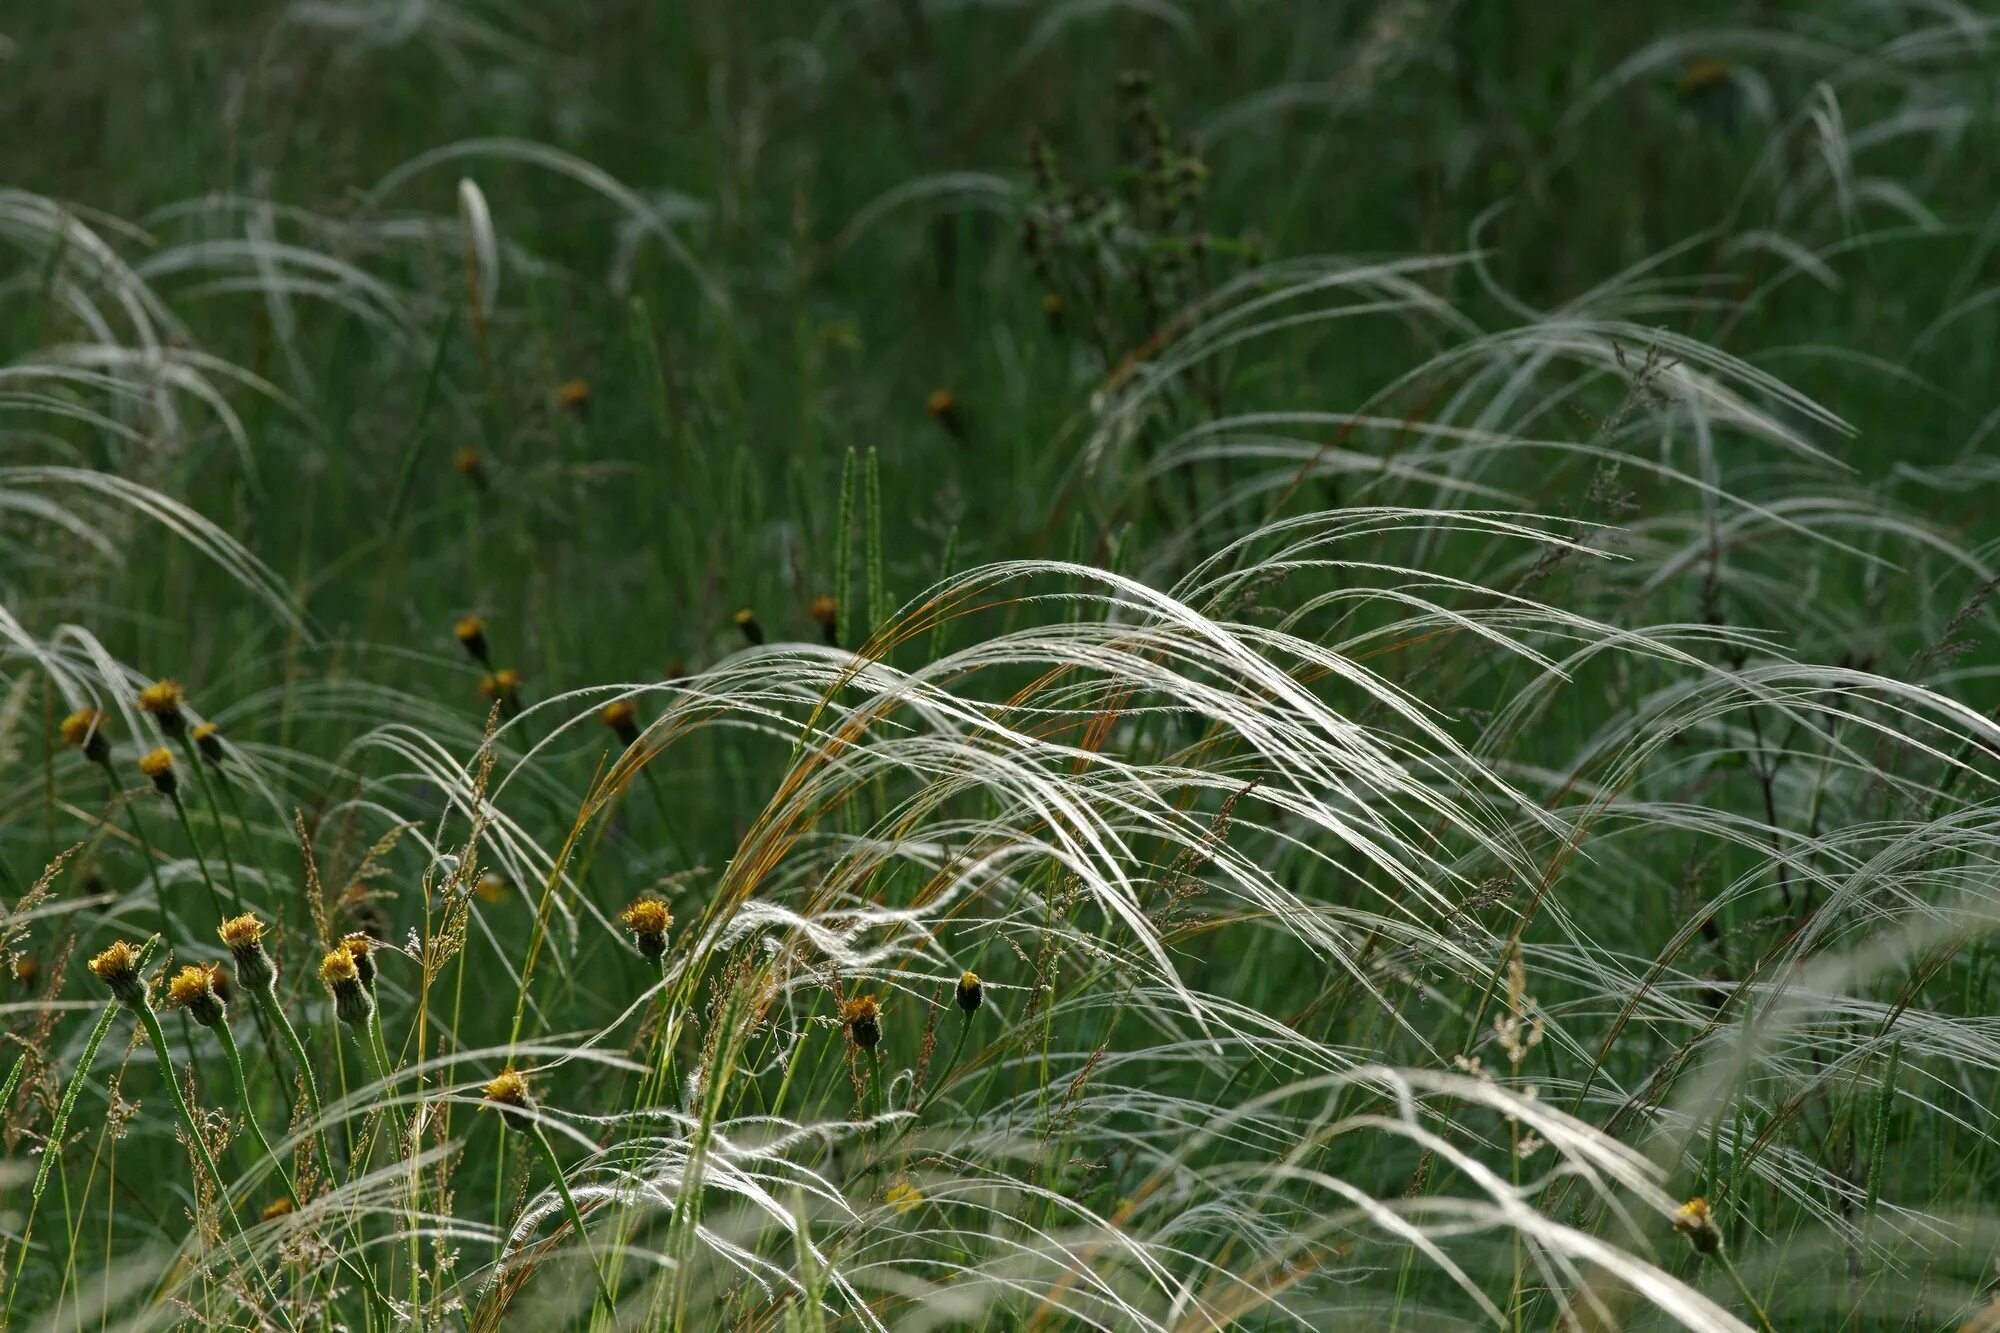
<point>118,968</point>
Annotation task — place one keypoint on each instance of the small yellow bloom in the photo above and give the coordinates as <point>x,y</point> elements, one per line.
<point>1693,1220</point>
<point>118,968</point>
<point>574,396</point>
<point>80,727</point>
<point>276,1208</point>
<point>161,697</point>
<point>240,932</point>
<point>159,766</point>
<point>508,1094</point>
<point>491,888</point>
<point>861,1017</point>
<point>902,1195</point>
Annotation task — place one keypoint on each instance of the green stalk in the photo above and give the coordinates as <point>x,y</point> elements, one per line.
<point>200,768</point>
<point>267,1004</point>
<point>200,861</point>
<point>569,1207</point>
<point>199,1146</point>
<point>1743,1289</point>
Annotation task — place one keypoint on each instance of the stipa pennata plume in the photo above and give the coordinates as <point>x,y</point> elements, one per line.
<point>970,994</point>
<point>202,990</point>
<point>159,766</point>
<point>648,920</point>
<point>746,621</point>
<point>118,968</point>
<point>352,1004</point>
<point>861,1018</point>
<point>508,1094</point>
<point>208,740</point>
<point>622,716</point>
<point>163,701</point>
<point>85,730</point>
<point>243,936</point>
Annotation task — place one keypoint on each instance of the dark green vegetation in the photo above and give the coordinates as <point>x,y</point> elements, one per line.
<point>1408,584</point>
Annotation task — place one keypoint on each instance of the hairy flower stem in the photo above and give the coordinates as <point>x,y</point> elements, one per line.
<point>200,861</point>
<point>1743,1289</point>
<point>145,844</point>
<point>267,1004</point>
<point>570,1209</point>
<point>200,770</point>
<point>197,1145</point>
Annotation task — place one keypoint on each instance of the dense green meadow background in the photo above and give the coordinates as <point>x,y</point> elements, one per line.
<point>1408,583</point>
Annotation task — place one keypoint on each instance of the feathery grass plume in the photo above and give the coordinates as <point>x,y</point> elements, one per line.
<point>338,972</point>
<point>207,739</point>
<point>649,921</point>
<point>361,949</point>
<point>470,631</point>
<point>942,404</point>
<point>622,716</point>
<point>470,464</point>
<point>164,701</point>
<point>825,612</point>
<point>503,687</point>
<point>746,621</point>
<point>200,988</point>
<point>243,936</point>
<point>85,730</point>
<point>970,994</point>
<point>574,396</point>
<point>861,1019</point>
<point>159,766</point>
<point>507,1093</point>
<point>118,968</point>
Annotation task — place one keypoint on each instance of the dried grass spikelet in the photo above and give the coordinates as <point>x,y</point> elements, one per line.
<point>159,766</point>
<point>243,936</point>
<point>508,1094</point>
<point>164,700</point>
<point>202,990</point>
<point>970,994</point>
<point>118,968</point>
<point>649,921</point>
<point>352,1004</point>
<point>861,1019</point>
<point>85,730</point>
<point>622,716</point>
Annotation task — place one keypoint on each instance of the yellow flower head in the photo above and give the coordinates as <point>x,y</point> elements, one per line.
<point>647,916</point>
<point>902,1195</point>
<point>82,727</point>
<point>118,968</point>
<point>156,762</point>
<point>501,684</point>
<point>862,1018</point>
<point>276,1208</point>
<point>466,462</point>
<point>338,969</point>
<point>192,982</point>
<point>574,396</point>
<point>1694,1220</point>
<point>970,993</point>
<point>199,988</point>
<point>469,630</point>
<point>941,404</point>
<point>508,1094</point>
<point>825,610</point>
<point>26,969</point>
<point>240,932</point>
<point>208,739</point>
<point>622,716</point>
<point>361,949</point>
<point>491,888</point>
<point>162,697</point>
